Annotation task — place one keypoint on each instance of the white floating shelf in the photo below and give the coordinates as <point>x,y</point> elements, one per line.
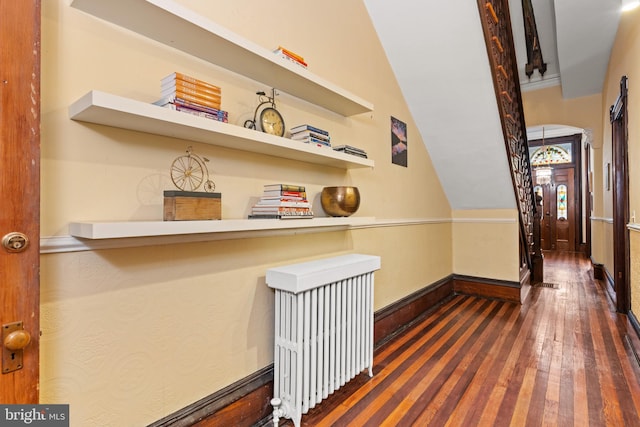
<point>174,25</point>
<point>132,229</point>
<point>112,110</point>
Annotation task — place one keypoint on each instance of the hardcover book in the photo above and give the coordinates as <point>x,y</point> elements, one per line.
<point>189,104</point>
<point>290,53</point>
<point>284,187</point>
<point>281,210</point>
<point>221,116</point>
<point>301,128</point>
<point>192,95</point>
<point>351,150</point>
<point>269,216</point>
<point>312,140</point>
<point>166,81</point>
<point>283,198</point>
<point>290,59</point>
<point>283,203</point>
<point>281,193</point>
<point>189,100</point>
<point>308,133</point>
<point>189,88</point>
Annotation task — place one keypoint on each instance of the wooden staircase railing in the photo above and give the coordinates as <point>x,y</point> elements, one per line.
<point>496,24</point>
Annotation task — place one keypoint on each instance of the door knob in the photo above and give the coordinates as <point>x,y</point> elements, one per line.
<point>14,340</point>
<point>17,340</point>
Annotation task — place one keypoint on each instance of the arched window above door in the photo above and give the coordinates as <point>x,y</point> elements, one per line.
<point>551,155</point>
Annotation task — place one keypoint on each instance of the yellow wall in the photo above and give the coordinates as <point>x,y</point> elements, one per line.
<point>634,244</point>
<point>130,335</point>
<point>546,106</point>
<point>625,60</point>
<point>485,243</point>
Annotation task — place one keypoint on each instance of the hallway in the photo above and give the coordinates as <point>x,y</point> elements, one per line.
<point>562,358</point>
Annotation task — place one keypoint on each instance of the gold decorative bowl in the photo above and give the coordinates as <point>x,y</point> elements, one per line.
<point>340,201</point>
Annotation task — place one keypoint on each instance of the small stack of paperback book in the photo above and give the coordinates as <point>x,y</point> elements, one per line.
<point>348,149</point>
<point>184,93</point>
<point>290,56</point>
<point>282,201</point>
<point>311,135</point>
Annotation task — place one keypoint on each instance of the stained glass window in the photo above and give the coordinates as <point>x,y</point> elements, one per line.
<point>551,155</point>
<point>561,193</point>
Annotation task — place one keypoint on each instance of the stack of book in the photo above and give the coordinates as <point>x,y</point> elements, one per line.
<point>311,135</point>
<point>290,56</point>
<point>348,149</point>
<point>282,201</point>
<point>184,93</point>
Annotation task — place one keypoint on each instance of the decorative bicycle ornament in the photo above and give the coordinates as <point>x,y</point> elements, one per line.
<point>190,171</point>
<point>270,120</point>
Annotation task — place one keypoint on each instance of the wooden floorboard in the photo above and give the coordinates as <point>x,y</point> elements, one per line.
<point>562,358</point>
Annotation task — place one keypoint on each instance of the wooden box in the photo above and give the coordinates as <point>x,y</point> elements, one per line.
<point>191,206</point>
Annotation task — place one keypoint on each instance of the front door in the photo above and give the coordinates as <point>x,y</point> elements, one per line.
<point>20,199</point>
<point>563,227</point>
<point>559,221</point>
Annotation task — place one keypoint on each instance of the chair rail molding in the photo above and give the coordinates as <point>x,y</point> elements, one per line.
<point>602,219</point>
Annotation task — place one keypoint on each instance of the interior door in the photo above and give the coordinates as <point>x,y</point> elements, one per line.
<point>20,195</point>
<point>621,245</point>
<point>545,221</point>
<point>559,216</point>
<point>562,201</point>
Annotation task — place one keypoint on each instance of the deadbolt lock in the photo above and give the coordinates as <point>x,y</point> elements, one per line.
<point>15,242</point>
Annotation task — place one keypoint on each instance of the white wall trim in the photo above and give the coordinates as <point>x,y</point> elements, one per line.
<point>63,244</point>
<point>484,220</point>
<point>59,244</point>
<point>602,219</point>
<point>633,226</point>
<point>400,222</point>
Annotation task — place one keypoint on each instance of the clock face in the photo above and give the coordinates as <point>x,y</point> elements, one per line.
<point>271,122</point>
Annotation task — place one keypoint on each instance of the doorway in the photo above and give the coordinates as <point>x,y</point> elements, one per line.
<point>20,192</point>
<point>621,249</point>
<point>561,222</point>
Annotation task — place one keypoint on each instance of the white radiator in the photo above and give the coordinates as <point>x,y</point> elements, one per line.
<point>323,329</point>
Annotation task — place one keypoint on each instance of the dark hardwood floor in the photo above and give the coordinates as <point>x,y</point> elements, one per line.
<point>563,358</point>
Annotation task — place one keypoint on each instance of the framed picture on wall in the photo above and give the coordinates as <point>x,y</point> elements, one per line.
<point>398,142</point>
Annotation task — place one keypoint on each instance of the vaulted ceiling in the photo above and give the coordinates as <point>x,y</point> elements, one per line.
<point>438,55</point>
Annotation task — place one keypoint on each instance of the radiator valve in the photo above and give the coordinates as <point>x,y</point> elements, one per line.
<point>278,412</point>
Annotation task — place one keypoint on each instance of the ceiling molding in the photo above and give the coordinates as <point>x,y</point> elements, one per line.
<point>554,131</point>
<point>530,85</point>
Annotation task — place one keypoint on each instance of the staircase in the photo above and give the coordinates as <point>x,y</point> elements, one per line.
<point>498,35</point>
<point>455,63</point>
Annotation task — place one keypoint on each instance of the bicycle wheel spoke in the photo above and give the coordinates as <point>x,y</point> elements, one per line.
<point>187,173</point>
